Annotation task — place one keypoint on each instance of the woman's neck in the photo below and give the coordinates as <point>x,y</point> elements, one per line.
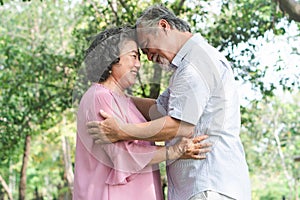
<point>113,85</point>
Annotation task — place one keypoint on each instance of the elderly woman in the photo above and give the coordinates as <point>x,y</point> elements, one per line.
<point>126,169</point>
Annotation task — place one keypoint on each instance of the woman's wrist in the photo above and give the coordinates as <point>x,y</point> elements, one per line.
<point>173,152</point>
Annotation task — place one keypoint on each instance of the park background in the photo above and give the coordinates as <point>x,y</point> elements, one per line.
<point>42,45</point>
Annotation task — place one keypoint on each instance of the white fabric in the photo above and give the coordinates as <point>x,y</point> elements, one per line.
<point>202,91</point>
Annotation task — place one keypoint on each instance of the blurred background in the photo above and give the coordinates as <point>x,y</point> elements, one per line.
<point>42,46</point>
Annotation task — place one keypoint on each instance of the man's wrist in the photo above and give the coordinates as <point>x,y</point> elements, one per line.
<point>122,135</point>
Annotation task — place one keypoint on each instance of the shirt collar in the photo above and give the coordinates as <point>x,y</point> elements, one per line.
<point>186,48</point>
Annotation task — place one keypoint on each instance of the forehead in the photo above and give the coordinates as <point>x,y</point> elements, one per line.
<point>128,46</point>
<point>144,34</point>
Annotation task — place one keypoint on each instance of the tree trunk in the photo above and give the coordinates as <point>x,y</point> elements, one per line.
<point>6,188</point>
<point>155,84</point>
<point>291,7</point>
<point>69,175</point>
<point>22,187</point>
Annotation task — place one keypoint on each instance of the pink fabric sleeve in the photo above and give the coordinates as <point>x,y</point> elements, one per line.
<point>129,159</point>
<point>126,159</point>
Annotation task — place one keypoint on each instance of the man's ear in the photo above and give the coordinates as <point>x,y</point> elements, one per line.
<point>164,24</point>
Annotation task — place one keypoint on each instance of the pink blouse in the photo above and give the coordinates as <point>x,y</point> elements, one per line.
<point>112,171</point>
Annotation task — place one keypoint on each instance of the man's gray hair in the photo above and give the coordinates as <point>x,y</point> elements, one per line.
<point>151,16</point>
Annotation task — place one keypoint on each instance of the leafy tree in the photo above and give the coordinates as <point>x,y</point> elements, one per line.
<point>36,77</point>
<point>230,25</point>
<point>271,136</point>
<point>40,59</point>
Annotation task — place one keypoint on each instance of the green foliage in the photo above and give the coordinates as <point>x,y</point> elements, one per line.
<point>274,192</point>
<point>46,167</point>
<point>36,74</point>
<point>35,77</point>
<point>271,136</point>
<point>242,22</point>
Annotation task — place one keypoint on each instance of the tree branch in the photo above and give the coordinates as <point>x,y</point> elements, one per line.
<point>127,10</point>
<point>114,9</point>
<point>6,188</point>
<point>98,14</point>
<point>181,4</point>
<point>67,162</point>
<point>276,132</point>
<point>291,7</point>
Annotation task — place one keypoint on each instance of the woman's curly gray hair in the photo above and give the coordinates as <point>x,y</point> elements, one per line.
<point>104,51</point>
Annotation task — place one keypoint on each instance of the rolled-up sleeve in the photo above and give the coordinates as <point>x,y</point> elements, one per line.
<point>162,102</point>
<point>189,94</point>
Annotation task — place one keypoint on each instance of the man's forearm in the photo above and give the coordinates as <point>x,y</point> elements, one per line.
<point>161,129</point>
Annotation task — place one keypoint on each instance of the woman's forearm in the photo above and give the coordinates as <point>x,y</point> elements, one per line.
<point>144,105</point>
<point>164,153</point>
<point>159,156</point>
<point>185,148</point>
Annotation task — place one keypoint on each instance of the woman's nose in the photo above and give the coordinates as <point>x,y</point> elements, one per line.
<point>138,64</point>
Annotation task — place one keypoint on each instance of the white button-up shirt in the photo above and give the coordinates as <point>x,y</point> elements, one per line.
<point>202,91</point>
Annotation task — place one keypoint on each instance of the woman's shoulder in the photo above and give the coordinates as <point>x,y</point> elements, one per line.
<point>97,88</point>
<point>96,91</point>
